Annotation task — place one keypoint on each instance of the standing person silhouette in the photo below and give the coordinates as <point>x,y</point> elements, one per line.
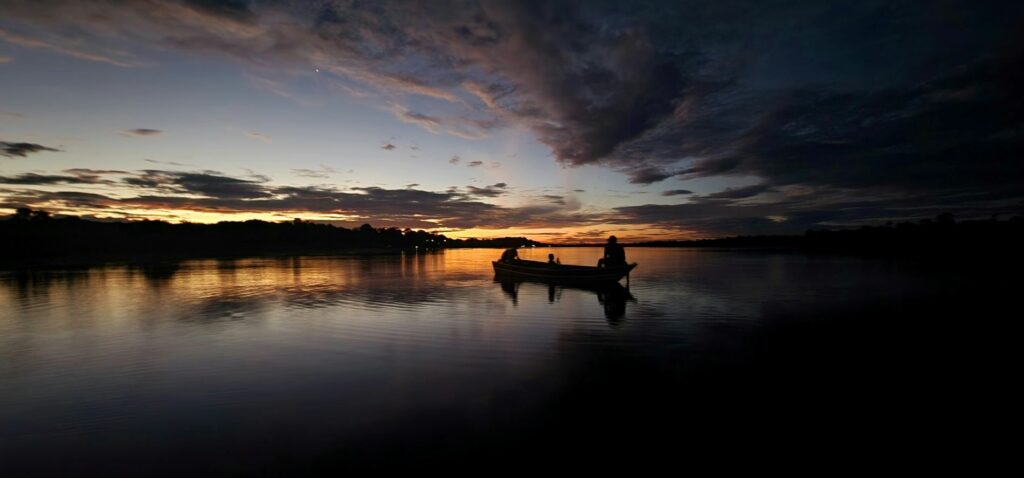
<point>614,254</point>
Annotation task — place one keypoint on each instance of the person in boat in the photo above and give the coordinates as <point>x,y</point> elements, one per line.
<point>510,255</point>
<point>553,260</point>
<point>614,254</point>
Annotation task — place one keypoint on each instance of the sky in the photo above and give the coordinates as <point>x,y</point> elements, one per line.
<point>560,121</point>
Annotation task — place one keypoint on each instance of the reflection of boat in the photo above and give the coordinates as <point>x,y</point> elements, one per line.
<point>561,272</point>
<point>611,295</point>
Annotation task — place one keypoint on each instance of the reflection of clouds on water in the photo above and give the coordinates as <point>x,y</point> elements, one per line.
<point>400,347</point>
<point>687,296</point>
<point>226,287</point>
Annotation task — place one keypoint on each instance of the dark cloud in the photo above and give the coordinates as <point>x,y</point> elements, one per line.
<point>493,190</point>
<point>141,132</point>
<point>21,150</point>
<point>387,146</point>
<point>75,200</point>
<point>209,191</point>
<point>169,163</point>
<point>454,160</point>
<point>94,172</point>
<point>206,183</point>
<point>865,99</point>
<point>41,179</point>
<point>474,164</point>
<point>795,213</point>
<point>648,175</point>
<point>71,176</point>
<point>554,198</point>
<point>741,192</point>
<point>676,192</point>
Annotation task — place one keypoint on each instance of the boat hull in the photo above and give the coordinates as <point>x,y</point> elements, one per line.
<point>560,273</point>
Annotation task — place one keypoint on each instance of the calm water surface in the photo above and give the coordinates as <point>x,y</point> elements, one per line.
<point>279,365</point>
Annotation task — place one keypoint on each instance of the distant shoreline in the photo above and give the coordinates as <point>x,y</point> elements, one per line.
<point>33,239</point>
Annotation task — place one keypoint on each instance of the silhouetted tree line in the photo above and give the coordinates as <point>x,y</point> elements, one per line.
<point>34,236</point>
<point>942,235</point>
<point>498,242</point>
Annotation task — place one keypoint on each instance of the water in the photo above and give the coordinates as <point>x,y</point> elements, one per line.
<point>284,365</point>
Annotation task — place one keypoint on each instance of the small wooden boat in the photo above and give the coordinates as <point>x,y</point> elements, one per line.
<point>561,272</point>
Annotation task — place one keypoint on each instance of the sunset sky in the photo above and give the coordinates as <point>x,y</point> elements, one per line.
<point>560,121</point>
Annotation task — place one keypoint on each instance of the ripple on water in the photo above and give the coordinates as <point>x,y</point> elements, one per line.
<point>201,355</point>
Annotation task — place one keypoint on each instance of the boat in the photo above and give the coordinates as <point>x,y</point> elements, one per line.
<point>561,272</point>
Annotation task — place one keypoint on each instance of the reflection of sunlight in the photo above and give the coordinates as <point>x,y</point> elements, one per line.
<point>387,287</point>
<point>232,286</point>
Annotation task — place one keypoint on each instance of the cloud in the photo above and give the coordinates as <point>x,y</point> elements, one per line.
<point>169,163</point>
<point>206,183</point>
<point>454,160</point>
<point>724,213</point>
<point>461,126</point>
<point>648,175</point>
<point>66,199</point>
<point>474,164</point>
<point>208,191</point>
<point>322,172</point>
<point>494,190</point>
<point>556,199</point>
<point>387,146</point>
<point>741,192</point>
<point>21,150</point>
<point>259,136</point>
<point>142,132</point>
<point>120,59</point>
<point>34,179</point>
<point>676,192</point>
<point>856,99</point>
<point>430,123</point>
<point>5,59</point>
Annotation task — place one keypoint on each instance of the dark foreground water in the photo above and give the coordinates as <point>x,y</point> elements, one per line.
<point>286,366</point>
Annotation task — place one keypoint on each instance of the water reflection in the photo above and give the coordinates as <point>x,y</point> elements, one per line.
<point>272,365</point>
<point>611,296</point>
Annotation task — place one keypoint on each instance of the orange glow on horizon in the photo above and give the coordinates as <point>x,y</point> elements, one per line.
<point>596,233</point>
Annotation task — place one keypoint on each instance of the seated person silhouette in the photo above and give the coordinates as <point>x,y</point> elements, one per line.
<point>614,254</point>
<point>552,260</point>
<point>510,255</point>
